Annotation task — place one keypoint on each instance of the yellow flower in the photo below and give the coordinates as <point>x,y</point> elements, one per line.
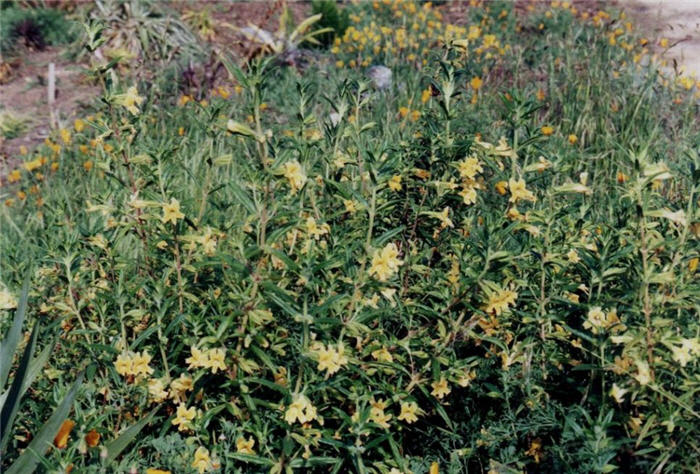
<point>385,262</point>
<point>518,191</point>
<point>500,300</point>
<point>468,194</point>
<point>295,175</point>
<point>65,136</point>
<point>686,351</point>
<point>535,449</point>
<point>573,256</point>
<point>315,230</point>
<point>183,417</point>
<point>245,446</point>
<point>425,95</point>
<point>180,386</point>
<point>445,220</point>
<point>618,393</point>
<point>573,139</point>
<point>140,364</point>
<point>382,355</point>
<point>157,391</point>
<point>501,187</point>
<point>152,470</point>
<point>415,115</point>
<point>215,360</point>
<point>476,83</point>
<point>409,412</point>
<point>547,130</point>
<point>171,212</point>
<point>202,461</point>
<point>440,388</point>
<point>395,183</point>
<point>131,100</point>
<point>79,125</point>
<point>643,373</point>
<point>197,359</point>
<point>14,176</point>
<point>377,414</point>
<point>331,359</point>
<point>350,206</point>
<point>124,364</point>
<point>300,410</point>
<point>469,167</point>
<point>7,300</point>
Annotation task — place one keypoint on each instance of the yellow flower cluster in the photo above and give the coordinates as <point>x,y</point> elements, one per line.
<point>598,320</point>
<point>330,359</point>
<point>300,410</point>
<point>468,169</point>
<point>294,173</point>
<point>213,359</point>
<point>133,364</point>
<point>385,262</point>
<point>499,301</point>
<point>183,417</point>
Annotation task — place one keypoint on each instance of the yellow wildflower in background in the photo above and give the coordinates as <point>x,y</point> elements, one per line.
<point>395,183</point>
<point>547,130</point>
<point>598,320</point>
<point>295,175</point>
<point>65,136</point>
<point>440,389</point>
<point>382,355</point>
<point>245,446</point>
<point>183,417</point>
<point>300,410</point>
<point>331,359</point>
<point>518,191</point>
<point>385,262</point>
<point>171,211</point>
<point>202,460</point>
<point>409,412</point>
<point>314,230</point>
<point>469,167</point>
<point>131,100</point>
<point>499,301</point>
<point>7,300</point>
<point>618,393</point>
<point>216,360</point>
<point>378,415</point>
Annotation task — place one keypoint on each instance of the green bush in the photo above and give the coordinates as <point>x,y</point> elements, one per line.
<point>333,17</point>
<point>490,266</point>
<point>39,27</point>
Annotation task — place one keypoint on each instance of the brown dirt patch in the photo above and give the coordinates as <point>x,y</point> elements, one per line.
<point>26,95</point>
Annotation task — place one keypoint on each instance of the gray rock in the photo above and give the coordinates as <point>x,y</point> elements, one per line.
<point>381,77</point>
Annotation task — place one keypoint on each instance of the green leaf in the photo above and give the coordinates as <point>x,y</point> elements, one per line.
<point>9,344</point>
<point>29,459</point>
<point>9,409</point>
<point>115,447</point>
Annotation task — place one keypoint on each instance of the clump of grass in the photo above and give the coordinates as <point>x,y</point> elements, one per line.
<point>34,27</point>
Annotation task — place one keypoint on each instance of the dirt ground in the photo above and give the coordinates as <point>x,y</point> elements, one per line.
<point>26,95</point>
<point>676,20</point>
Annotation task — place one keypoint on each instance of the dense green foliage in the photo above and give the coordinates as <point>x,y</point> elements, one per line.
<point>37,27</point>
<point>488,266</point>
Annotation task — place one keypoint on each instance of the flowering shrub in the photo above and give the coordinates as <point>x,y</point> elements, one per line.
<point>488,268</point>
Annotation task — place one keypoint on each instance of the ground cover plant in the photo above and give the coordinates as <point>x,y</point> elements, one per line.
<point>487,264</point>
